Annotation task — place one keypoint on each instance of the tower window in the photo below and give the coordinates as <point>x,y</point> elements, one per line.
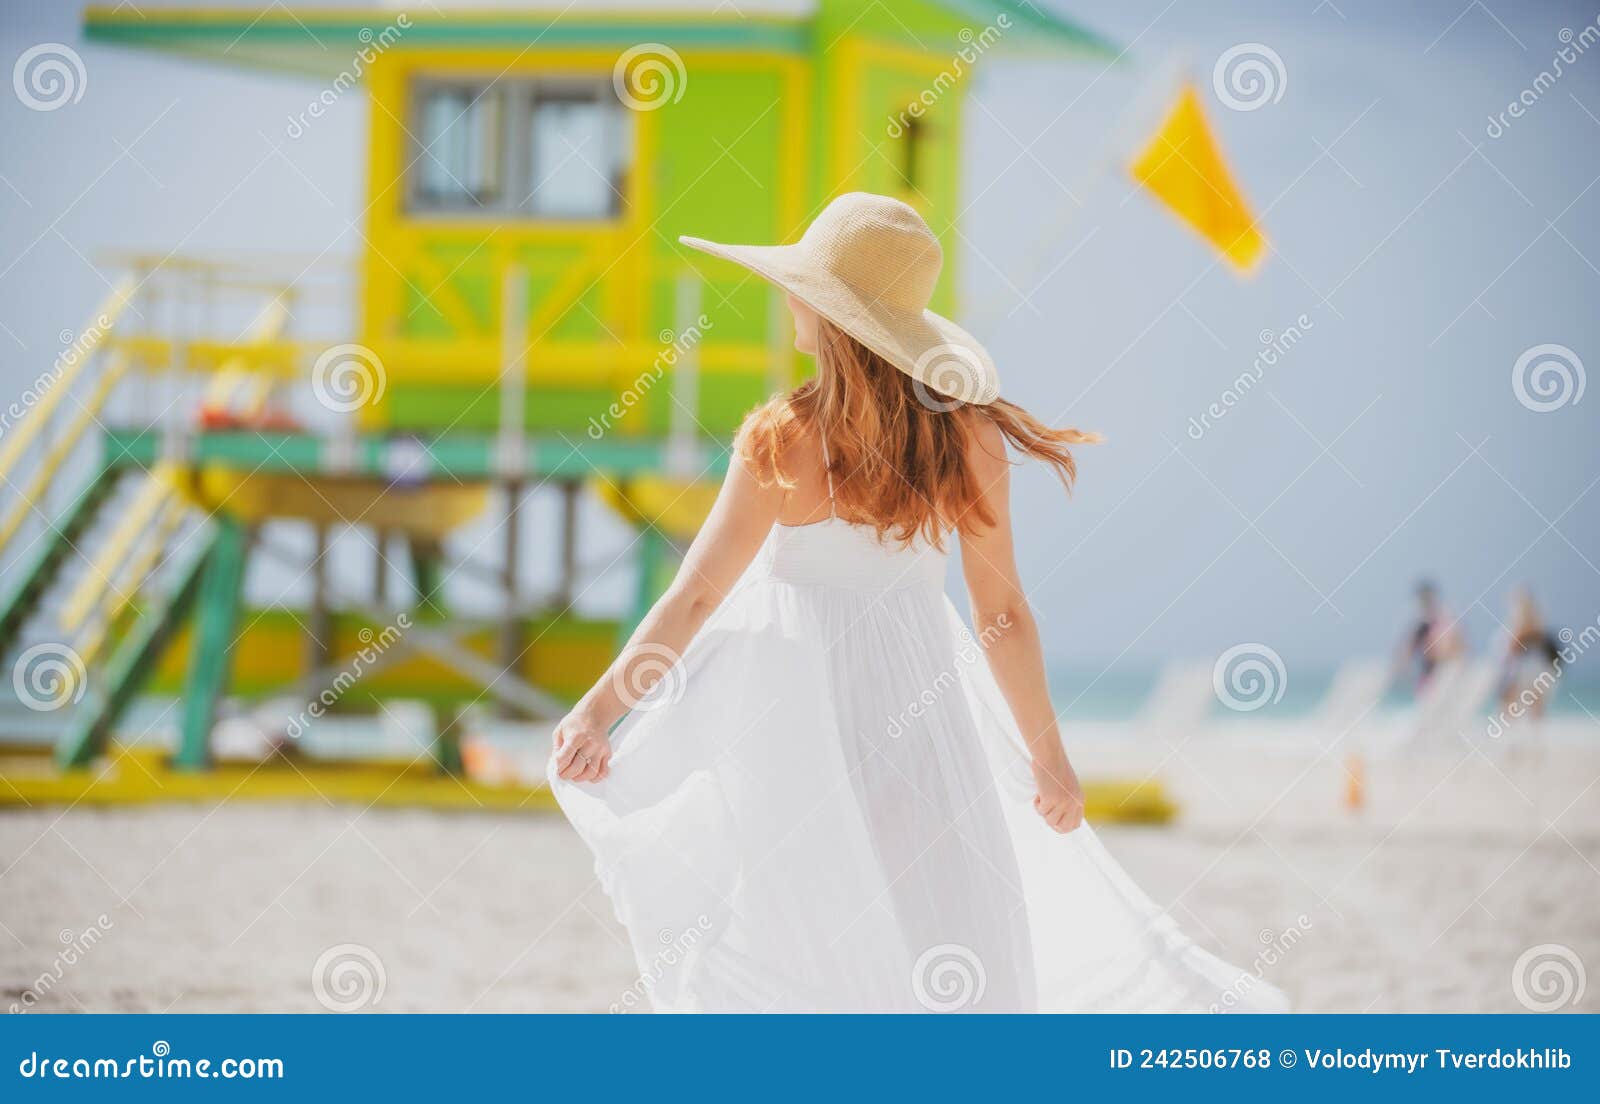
<point>544,149</point>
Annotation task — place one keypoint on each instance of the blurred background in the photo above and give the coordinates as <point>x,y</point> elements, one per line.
<point>359,399</point>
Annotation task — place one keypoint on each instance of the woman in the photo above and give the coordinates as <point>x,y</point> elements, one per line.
<point>837,799</point>
<point>1531,660</point>
<point>1435,641</point>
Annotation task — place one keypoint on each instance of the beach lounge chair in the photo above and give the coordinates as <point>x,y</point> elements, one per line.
<point>1453,703</point>
<point>1178,704</point>
<point>1350,702</point>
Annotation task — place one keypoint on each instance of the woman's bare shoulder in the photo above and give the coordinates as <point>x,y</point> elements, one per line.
<point>986,445</point>
<point>775,443</point>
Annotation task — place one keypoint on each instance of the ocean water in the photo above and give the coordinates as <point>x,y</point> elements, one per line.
<point>1117,695</point>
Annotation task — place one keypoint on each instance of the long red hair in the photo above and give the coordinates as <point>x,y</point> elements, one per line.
<point>898,463</point>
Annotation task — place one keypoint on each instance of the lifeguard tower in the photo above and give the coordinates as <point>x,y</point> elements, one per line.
<point>525,324</point>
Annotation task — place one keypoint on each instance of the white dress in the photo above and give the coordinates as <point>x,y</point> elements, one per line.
<point>826,806</point>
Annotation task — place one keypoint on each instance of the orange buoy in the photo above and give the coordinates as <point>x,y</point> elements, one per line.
<point>1355,782</point>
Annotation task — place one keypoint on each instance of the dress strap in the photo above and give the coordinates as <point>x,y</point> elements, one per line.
<point>827,468</point>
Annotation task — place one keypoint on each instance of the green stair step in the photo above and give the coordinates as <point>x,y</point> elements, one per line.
<point>113,689</point>
<point>34,580</point>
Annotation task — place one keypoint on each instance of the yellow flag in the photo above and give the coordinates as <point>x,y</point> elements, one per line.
<point>1183,166</point>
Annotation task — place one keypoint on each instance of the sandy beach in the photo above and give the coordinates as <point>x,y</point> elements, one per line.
<point>1424,900</point>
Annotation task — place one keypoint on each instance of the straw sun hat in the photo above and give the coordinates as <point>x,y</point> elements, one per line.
<point>868,264</point>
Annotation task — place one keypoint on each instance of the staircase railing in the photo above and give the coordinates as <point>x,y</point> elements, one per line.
<point>47,436</point>
<point>38,417</point>
<point>158,511</point>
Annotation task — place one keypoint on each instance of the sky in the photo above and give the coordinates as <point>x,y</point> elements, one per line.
<point>1416,254</point>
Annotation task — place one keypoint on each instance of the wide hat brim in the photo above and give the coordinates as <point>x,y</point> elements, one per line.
<point>945,359</point>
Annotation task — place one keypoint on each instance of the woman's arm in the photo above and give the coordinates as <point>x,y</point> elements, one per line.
<point>1010,637</point>
<point>739,522</point>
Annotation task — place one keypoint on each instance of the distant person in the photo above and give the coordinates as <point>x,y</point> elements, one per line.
<point>1435,639</point>
<point>1532,657</point>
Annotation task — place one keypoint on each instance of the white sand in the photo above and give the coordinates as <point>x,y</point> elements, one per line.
<point>1423,901</point>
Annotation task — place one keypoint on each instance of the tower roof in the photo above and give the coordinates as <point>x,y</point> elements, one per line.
<point>319,37</point>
